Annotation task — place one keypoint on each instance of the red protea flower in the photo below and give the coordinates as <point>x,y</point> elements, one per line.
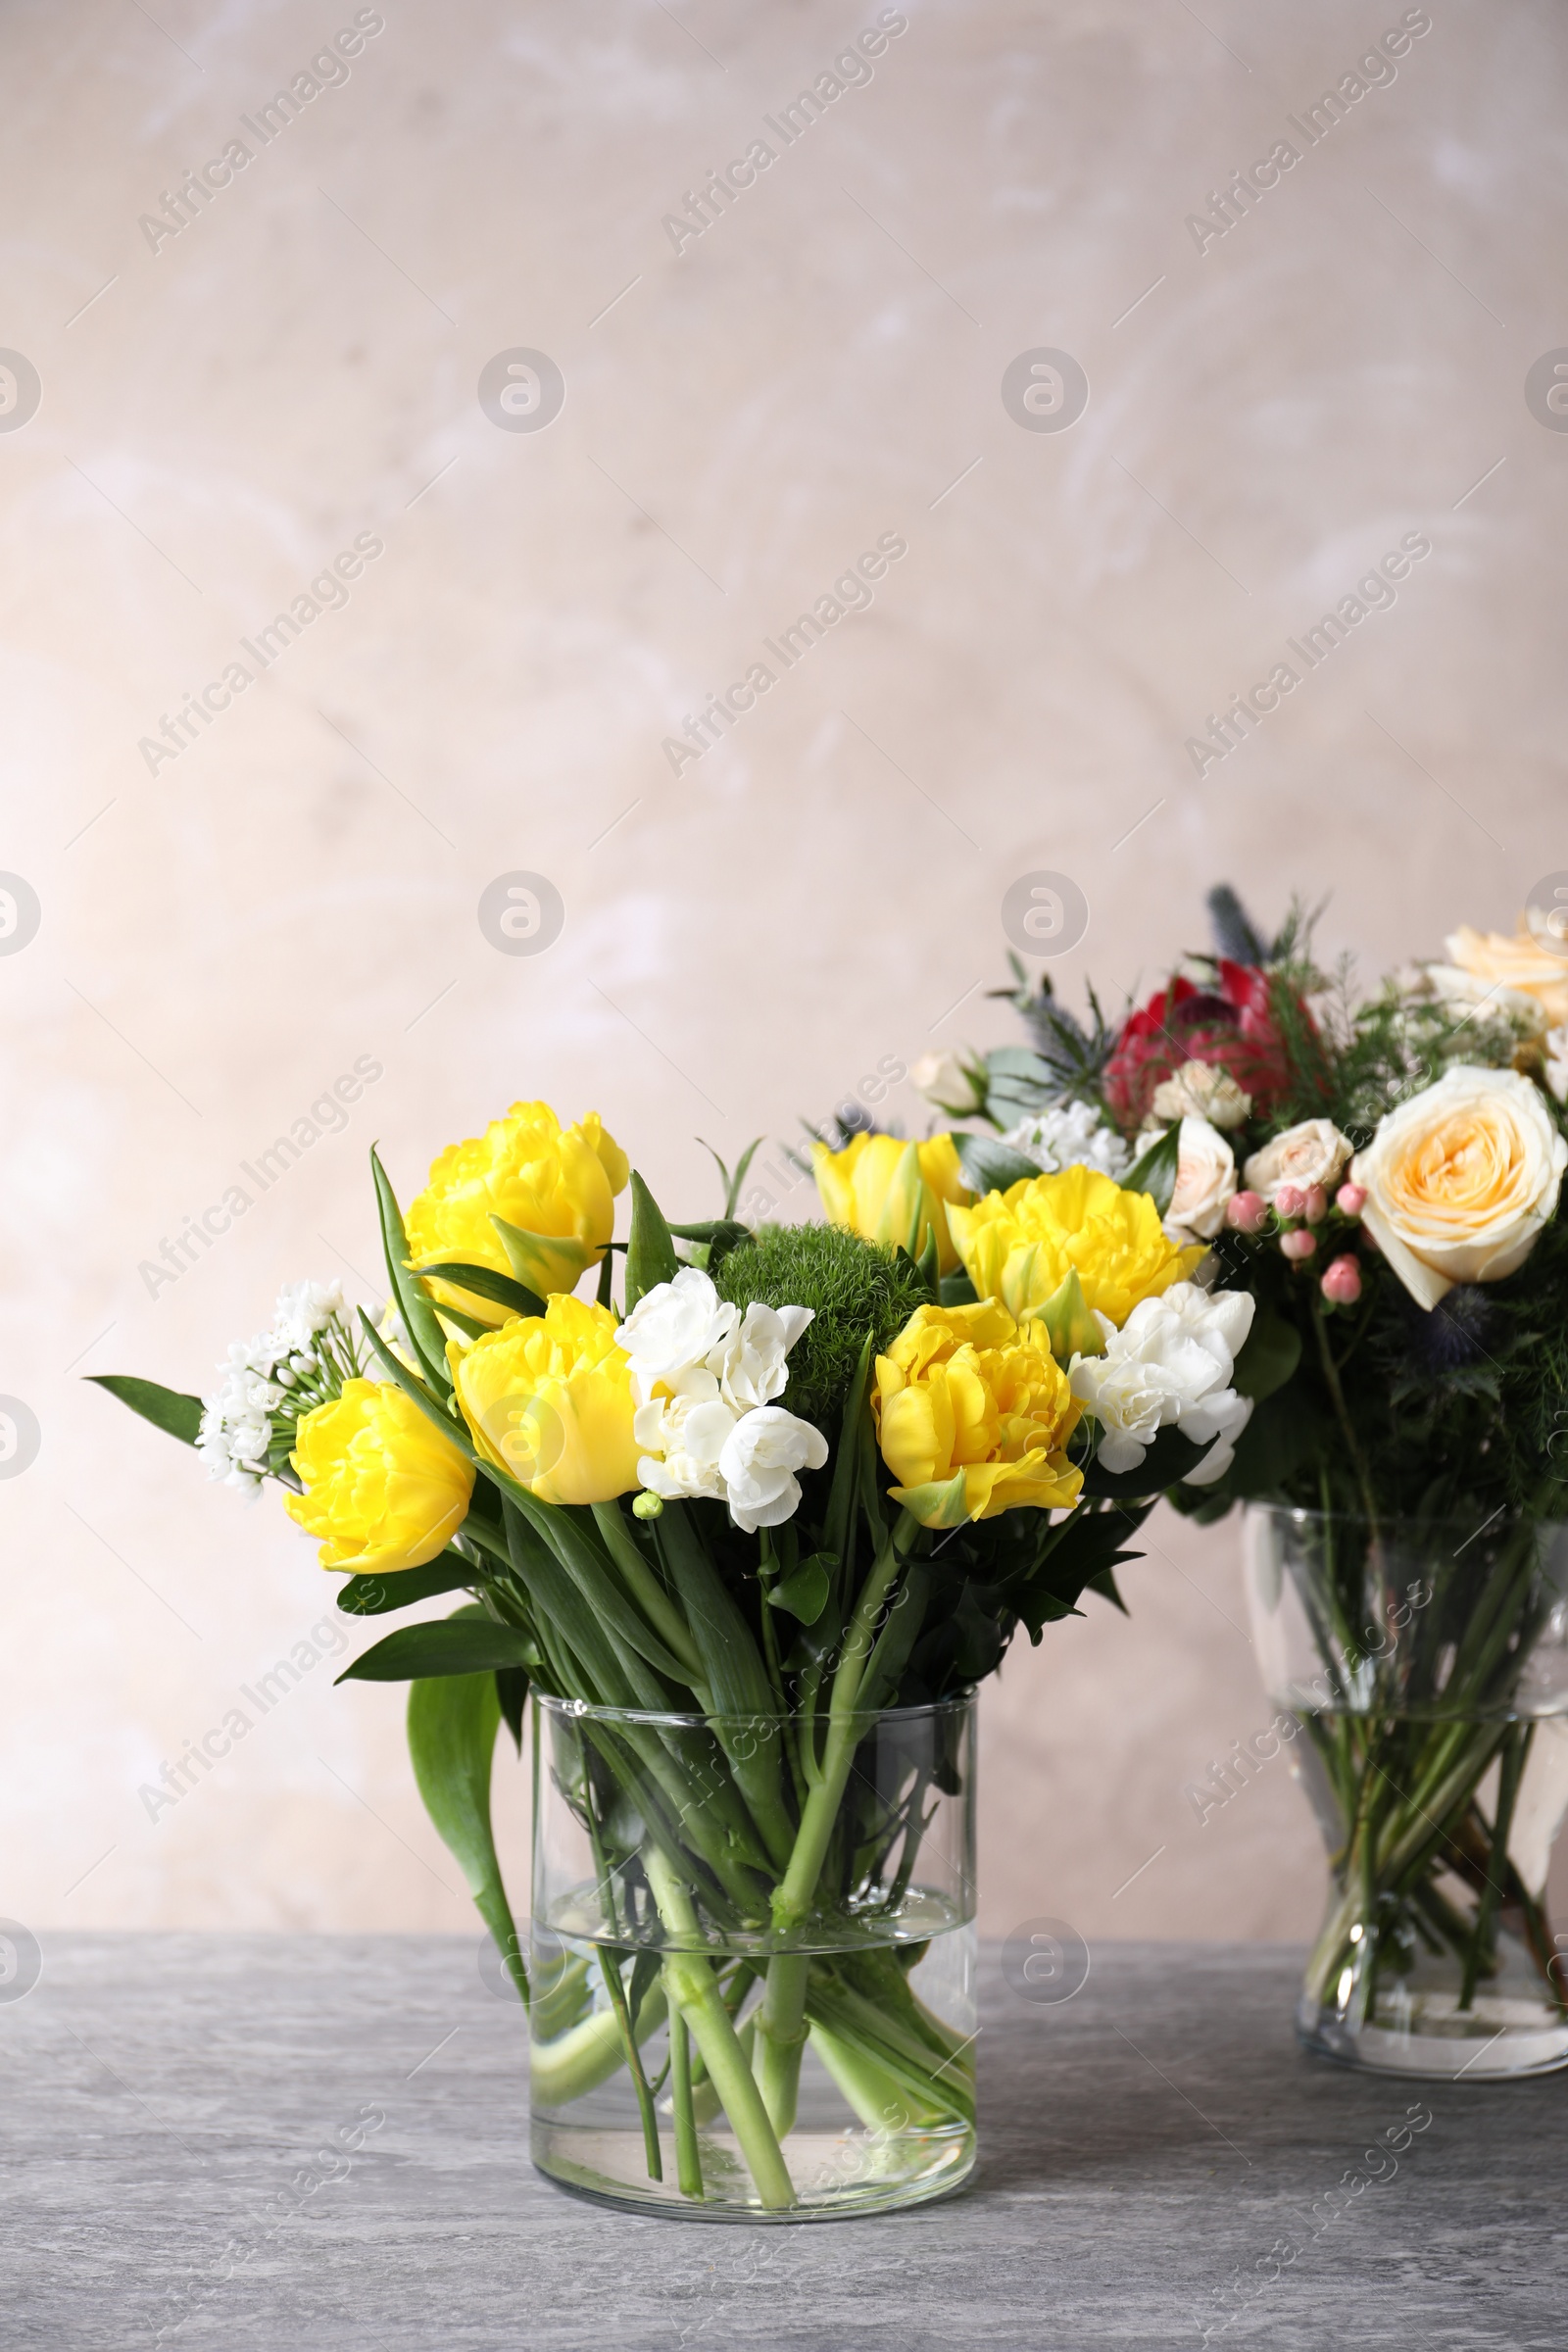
<point>1230,1028</point>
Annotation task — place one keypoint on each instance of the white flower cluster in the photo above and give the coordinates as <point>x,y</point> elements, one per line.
<point>1172,1361</point>
<point>704,1379</point>
<point>1070,1135</point>
<point>262,1375</point>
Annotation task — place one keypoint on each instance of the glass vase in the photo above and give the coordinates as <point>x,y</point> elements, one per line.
<point>1421,1673</point>
<point>754,1958</point>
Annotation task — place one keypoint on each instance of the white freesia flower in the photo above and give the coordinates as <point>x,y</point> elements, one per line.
<point>675,1326</point>
<point>685,1434</point>
<point>751,1365</point>
<point>1200,1091</point>
<point>1170,1363</point>
<point>705,1377</point>
<point>1313,1152</point>
<point>760,1456</point>
<point>1206,1179</point>
<point>1070,1135</point>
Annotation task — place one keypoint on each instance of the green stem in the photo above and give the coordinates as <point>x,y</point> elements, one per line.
<point>796,1892</point>
<point>688,2155</point>
<point>578,2061</point>
<point>1331,1374</point>
<point>691,1984</point>
<point>1516,1748</point>
<point>650,1596</point>
<point>610,1968</point>
<point>780,2023</point>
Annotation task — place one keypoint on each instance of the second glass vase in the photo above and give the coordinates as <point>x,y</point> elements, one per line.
<point>1422,1670</point>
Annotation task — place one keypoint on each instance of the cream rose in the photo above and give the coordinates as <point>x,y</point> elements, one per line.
<point>948,1080</point>
<point>1206,1179</point>
<point>1523,962</point>
<point>1557,1062</point>
<point>1460,1180</point>
<point>1200,1093</point>
<point>1313,1153</point>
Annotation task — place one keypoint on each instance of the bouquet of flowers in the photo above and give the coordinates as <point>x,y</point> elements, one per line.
<point>749,1532</point>
<point>1379,1177</point>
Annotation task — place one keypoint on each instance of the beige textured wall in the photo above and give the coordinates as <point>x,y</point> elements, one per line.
<point>222,938</point>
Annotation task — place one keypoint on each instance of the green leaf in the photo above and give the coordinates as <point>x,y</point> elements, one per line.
<point>511,1689</point>
<point>732,1183</point>
<point>544,1262</point>
<point>804,1592</point>
<point>649,1253</point>
<point>990,1166</point>
<point>426,1335</point>
<point>1065,1315</point>
<point>1155,1171</point>
<point>400,1588</point>
<point>1170,1459</point>
<point>471,1642</point>
<point>1269,1356</point>
<point>452,1728</point>
<point>165,1409</point>
<point>485,1282</point>
<point>452,1430</point>
<point>958,1290</point>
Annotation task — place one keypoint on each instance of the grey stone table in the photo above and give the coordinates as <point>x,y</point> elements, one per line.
<point>1160,2158</point>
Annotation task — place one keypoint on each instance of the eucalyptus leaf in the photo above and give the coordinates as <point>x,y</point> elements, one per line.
<point>1269,1356</point>
<point>165,1409</point>
<point>805,1591</point>
<point>990,1166</point>
<point>1155,1171</point>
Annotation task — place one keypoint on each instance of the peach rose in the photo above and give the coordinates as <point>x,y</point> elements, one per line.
<point>1460,1180</point>
<point>1521,961</point>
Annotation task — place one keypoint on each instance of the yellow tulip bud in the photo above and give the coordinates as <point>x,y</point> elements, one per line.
<point>886,1190</point>
<point>555,1184</point>
<point>973,1415</point>
<point>384,1488</point>
<point>1020,1246</point>
<point>549,1400</point>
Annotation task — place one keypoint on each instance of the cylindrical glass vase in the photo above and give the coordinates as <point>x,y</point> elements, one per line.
<point>1421,1670</point>
<point>754,1958</point>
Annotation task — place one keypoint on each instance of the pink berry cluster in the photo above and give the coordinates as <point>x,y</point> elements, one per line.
<point>1296,1213</point>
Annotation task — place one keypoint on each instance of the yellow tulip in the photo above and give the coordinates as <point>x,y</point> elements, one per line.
<point>549,1400</point>
<point>878,1183</point>
<point>973,1414</point>
<point>555,1184</point>
<point>383,1488</point>
<point>1021,1245</point>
